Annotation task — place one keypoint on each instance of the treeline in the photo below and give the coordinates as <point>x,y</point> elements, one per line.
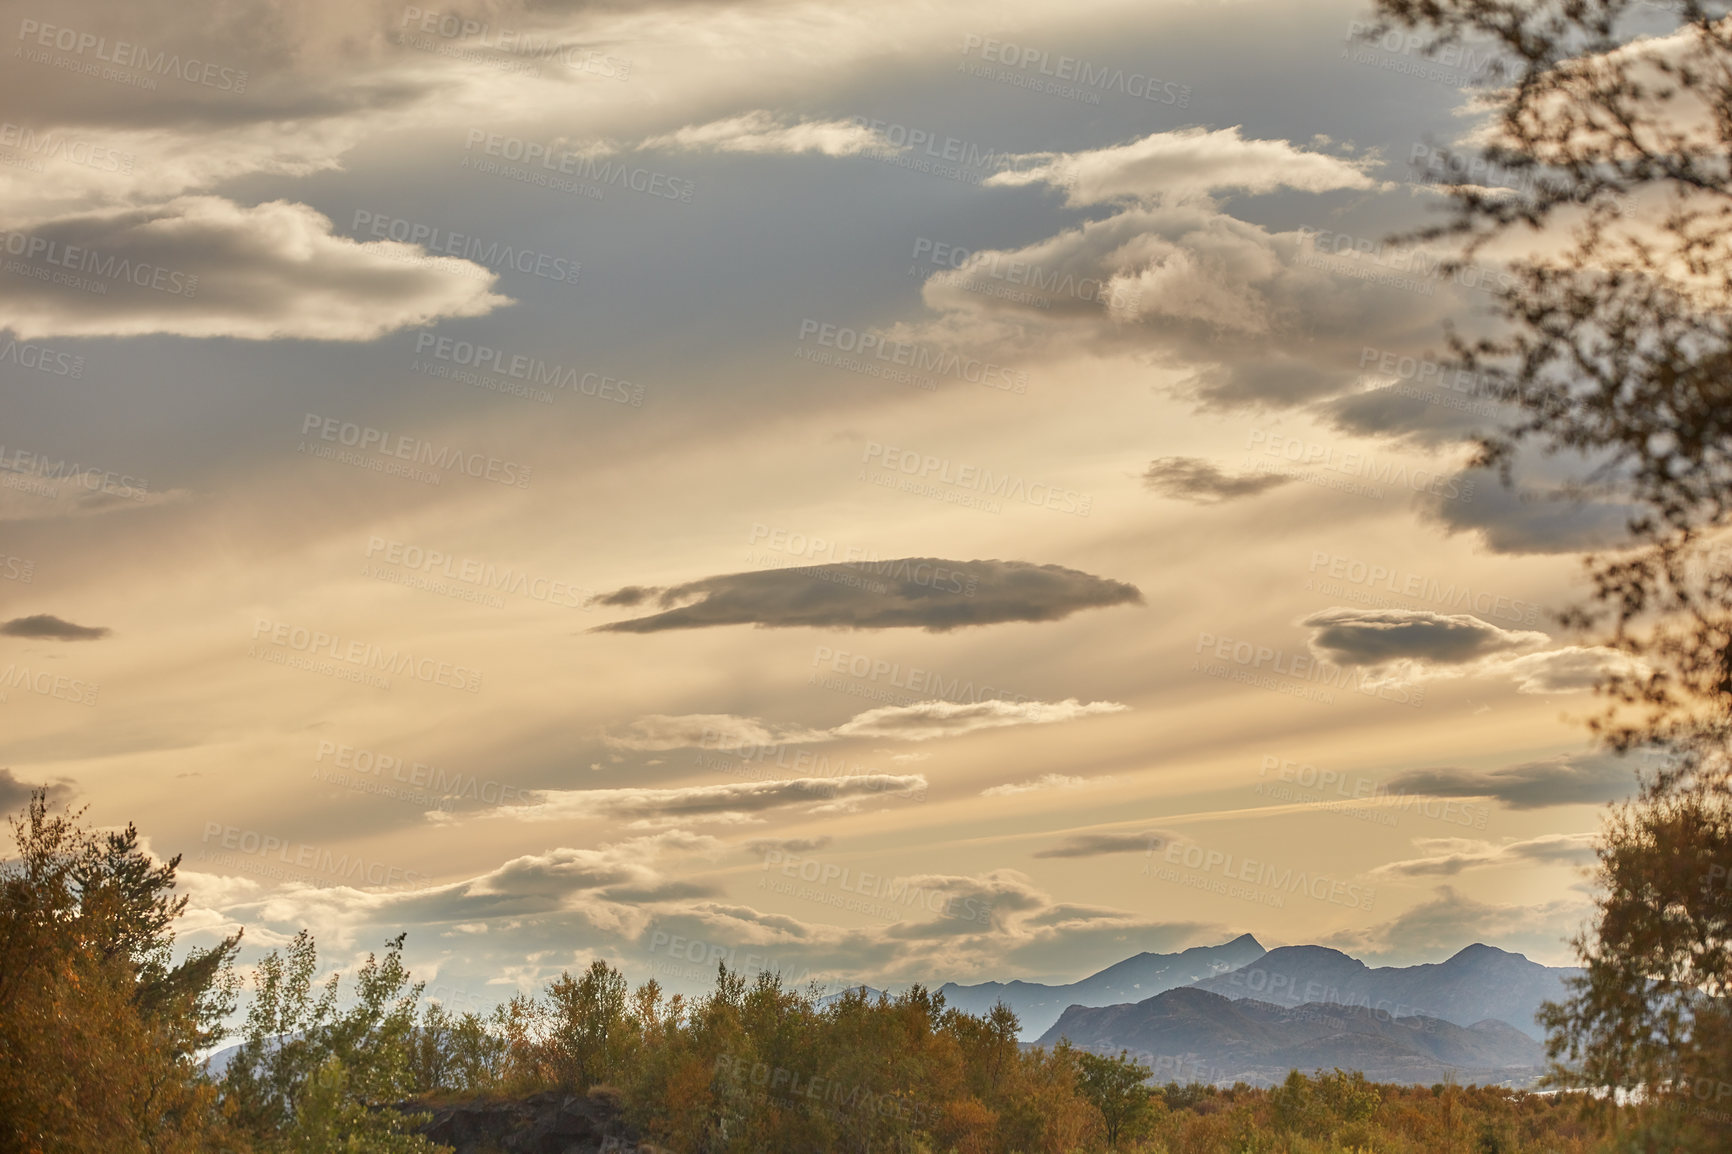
<point>102,1033</point>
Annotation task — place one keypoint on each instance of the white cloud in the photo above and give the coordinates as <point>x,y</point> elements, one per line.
<point>1184,164</point>
<point>1044,782</point>
<point>763,133</point>
<point>1446,856</point>
<point>925,720</point>
<point>921,721</point>
<point>203,266</point>
<point>729,803</point>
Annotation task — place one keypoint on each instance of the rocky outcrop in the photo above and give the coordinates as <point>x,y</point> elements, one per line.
<point>551,1122</point>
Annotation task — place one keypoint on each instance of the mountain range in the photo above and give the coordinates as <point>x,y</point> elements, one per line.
<point>1038,1006</point>
<point>1192,1035</point>
<point>1479,982</point>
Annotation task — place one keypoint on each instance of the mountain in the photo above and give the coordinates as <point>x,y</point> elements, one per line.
<point>1479,982</point>
<point>1191,1035</point>
<point>1038,1006</point>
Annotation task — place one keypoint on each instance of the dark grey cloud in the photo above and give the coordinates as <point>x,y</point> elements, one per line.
<point>1568,779</point>
<point>1425,414</point>
<point>1194,479</point>
<point>47,627</point>
<point>910,592</point>
<point>14,793</point>
<point>1375,636</point>
<point>1097,844</point>
<point>1517,519</point>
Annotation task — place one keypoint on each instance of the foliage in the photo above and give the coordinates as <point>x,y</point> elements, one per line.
<point>1615,350</point>
<point>99,1026</point>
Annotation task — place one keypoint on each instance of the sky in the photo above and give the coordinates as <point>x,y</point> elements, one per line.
<point>892,493</point>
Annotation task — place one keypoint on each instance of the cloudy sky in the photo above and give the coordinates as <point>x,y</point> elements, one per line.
<point>889,493</point>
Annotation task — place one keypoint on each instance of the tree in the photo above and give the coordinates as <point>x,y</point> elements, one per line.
<point>1615,350</point>
<point>309,1077</point>
<point>99,1027</point>
<point>1117,1087</point>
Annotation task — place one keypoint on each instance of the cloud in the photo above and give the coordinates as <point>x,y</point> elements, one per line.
<point>1568,779</point>
<point>929,719</point>
<point>1044,782</point>
<point>920,721</point>
<point>14,793</point>
<point>763,845</point>
<point>50,628</point>
<point>873,596</point>
<point>1185,163</point>
<point>1097,844</point>
<point>1572,669</point>
<point>1251,313</point>
<point>1383,636</point>
<point>1447,856</point>
<point>202,266</point>
<point>762,132</point>
<point>1194,479</point>
<point>1438,928</point>
<point>660,731</point>
<point>1530,517</point>
<point>731,802</point>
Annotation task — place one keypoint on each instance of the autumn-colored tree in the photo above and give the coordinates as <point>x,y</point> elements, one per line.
<point>100,1027</point>
<point>1613,212</point>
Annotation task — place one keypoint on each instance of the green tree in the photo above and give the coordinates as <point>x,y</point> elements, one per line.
<point>1118,1088</point>
<point>310,1077</point>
